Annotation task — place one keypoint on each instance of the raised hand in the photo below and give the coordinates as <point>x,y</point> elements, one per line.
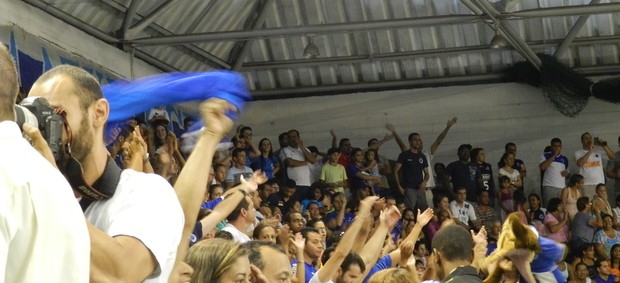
<point>251,185</point>
<point>481,237</point>
<point>213,112</point>
<point>299,241</point>
<point>452,121</point>
<point>366,204</point>
<point>424,217</point>
<point>390,128</point>
<point>390,216</point>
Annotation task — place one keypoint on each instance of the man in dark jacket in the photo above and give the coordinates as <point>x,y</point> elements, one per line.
<point>453,252</point>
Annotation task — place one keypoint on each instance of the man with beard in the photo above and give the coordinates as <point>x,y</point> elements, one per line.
<point>130,241</point>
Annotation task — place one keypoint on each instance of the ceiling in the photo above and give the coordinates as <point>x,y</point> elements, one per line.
<point>364,45</point>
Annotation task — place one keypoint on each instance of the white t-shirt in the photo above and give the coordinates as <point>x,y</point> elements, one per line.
<point>234,174</point>
<point>553,174</point>
<point>43,235</point>
<point>315,279</point>
<point>592,170</point>
<point>145,207</point>
<point>465,213</point>
<point>301,174</point>
<point>514,176</point>
<point>431,172</point>
<point>238,236</point>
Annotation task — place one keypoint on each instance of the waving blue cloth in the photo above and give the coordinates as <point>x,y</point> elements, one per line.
<point>127,99</point>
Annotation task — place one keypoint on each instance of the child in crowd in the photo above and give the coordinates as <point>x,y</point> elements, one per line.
<point>505,197</point>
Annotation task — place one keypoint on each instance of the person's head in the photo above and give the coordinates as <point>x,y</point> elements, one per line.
<point>270,259</point>
<point>439,168</point>
<point>463,152</point>
<point>290,187</point>
<point>265,233</point>
<point>496,229</point>
<point>586,139</point>
<point>314,210</point>
<point>601,191</point>
<point>555,204</point>
<point>314,243</point>
<point>220,173</point>
<point>215,191</point>
<point>245,131</point>
<point>276,212</point>
<point>283,139</point>
<point>390,201</point>
<point>239,142</point>
<point>511,148</point>
<point>452,244</point>
<point>265,146</point>
<point>315,192</point>
<point>319,225</point>
<point>583,204</point>
<point>518,198</point>
<point>556,145</point>
<point>587,250</point>
<point>293,138</point>
<point>420,249</point>
<point>218,260</point>
<point>581,271</point>
<point>345,146</point>
<point>244,213</point>
<point>351,269</point>
<point>357,155</point>
<point>239,156</point>
<point>79,94</point>
<point>508,159</point>
<point>419,267</point>
<point>443,215</point>
<point>477,155</point>
<point>333,154</point>
<point>363,191</point>
<point>460,194</point>
<point>373,142</point>
<point>393,275</point>
<point>188,122</point>
<point>614,253</point>
<point>408,215</point>
<point>294,220</point>
<point>483,197</point>
<point>504,182</point>
<point>441,201</point>
<point>265,190</point>
<point>415,141</point>
<point>161,133</point>
<point>576,180</point>
<point>9,86</point>
<point>534,201</point>
<point>602,266</point>
<point>608,221</point>
<point>339,201</point>
<point>371,154</point>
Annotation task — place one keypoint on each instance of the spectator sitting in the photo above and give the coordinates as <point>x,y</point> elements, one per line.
<point>218,260</point>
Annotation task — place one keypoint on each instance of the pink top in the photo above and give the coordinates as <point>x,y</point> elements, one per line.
<point>560,236</point>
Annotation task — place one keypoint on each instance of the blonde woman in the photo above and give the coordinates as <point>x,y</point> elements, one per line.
<point>218,260</point>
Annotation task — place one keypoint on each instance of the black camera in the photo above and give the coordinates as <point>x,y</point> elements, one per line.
<point>37,112</point>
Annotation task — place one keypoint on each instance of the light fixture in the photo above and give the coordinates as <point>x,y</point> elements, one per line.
<point>311,51</point>
<point>498,41</point>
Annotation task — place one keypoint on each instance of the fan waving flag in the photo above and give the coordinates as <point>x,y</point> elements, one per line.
<point>127,99</point>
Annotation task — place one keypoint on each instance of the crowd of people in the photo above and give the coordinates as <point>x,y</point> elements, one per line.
<point>148,209</point>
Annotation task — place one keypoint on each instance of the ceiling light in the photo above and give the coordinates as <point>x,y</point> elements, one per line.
<point>498,41</point>
<point>311,51</point>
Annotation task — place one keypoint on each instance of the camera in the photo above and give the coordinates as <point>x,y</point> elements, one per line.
<point>599,142</point>
<point>37,112</point>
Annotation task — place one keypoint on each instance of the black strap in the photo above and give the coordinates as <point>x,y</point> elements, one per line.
<point>102,189</point>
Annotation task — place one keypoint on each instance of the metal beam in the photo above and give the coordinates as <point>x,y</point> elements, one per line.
<point>129,15</point>
<point>442,52</point>
<point>244,46</point>
<point>296,92</point>
<point>377,25</point>
<point>574,31</point>
<point>147,20</point>
<point>211,60</point>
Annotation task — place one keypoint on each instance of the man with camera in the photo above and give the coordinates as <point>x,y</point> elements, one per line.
<point>43,235</point>
<point>590,162</point>
<point>134,219</point>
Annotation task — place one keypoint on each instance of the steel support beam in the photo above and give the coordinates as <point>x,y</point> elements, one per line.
<point>147,20</point>
<point>574,31</point>
<point>442,52</point>
<point>129,15</point>
<point>244,46</point>
<point>376,25</point>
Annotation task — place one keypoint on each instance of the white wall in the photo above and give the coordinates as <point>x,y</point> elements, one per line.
<point>488,117</point>
<point>71,39</point>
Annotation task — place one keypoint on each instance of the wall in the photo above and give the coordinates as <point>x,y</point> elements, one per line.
<point>70,39</point>
<point>488,117</point>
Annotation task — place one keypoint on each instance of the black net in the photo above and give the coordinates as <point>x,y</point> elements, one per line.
<point>607,90</point>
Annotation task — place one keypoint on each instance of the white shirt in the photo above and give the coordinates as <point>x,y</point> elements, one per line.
<point>301,174</point>
<point>465,213</point>
<point>431,178</point>
<point>592,170</point>
<point>43,234</point>
<point>145,207</point>
<point>315,279</point>
<point>238,236</point>
<point>553,174</point>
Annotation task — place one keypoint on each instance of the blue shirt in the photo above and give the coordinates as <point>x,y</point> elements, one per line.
<point>266,165</point>
<point>211,204</point>
<point>309,270</point>
<point>383,263</point>
<point>412,170</point>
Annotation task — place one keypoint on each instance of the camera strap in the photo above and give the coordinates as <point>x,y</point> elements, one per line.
<point>102,189</point>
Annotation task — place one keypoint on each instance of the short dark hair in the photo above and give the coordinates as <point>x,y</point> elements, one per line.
<point>90,90</point>
<point>352,259</point>
<point>223,234</point>
<point>534,195</point>
<point>473,153</point>
<point>313,222</point>
<point>554,204</point>
<point>237,151</point>
<point>290,183</point>
<point>574,179</point>
<point>343,140</point>
<point>412,135</point>
<point>599,185</point>
<point>582,202</point>
<point>287,216</point>
<point>333,150</point>
<point>556,140</point>
<point>518,197</point>
<point>370,141</point>
<point>307,230</point>
<point>454,243</point>
<point>509,144</point>
<point>503,178</point>
<point>243,204</point>
<point>254,254</point>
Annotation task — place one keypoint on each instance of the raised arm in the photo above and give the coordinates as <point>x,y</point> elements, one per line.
<point>372,248</point>
<point>443,134</point>
<point>346,243</point>
<point>400,142</point>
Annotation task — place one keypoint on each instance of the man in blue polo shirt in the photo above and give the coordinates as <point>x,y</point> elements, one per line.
<point>412,180</point>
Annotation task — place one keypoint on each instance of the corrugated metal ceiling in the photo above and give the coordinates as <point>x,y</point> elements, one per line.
<point>368,53</point>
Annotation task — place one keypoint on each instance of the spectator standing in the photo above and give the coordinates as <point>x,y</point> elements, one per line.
<point>465,174</point>
<point>412,180</point>
<point>590,162</point>
<point>555,168</point>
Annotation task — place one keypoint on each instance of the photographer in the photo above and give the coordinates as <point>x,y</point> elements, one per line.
<point>130,241</point>
<point>590,162</point>
<point>40,221</point>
